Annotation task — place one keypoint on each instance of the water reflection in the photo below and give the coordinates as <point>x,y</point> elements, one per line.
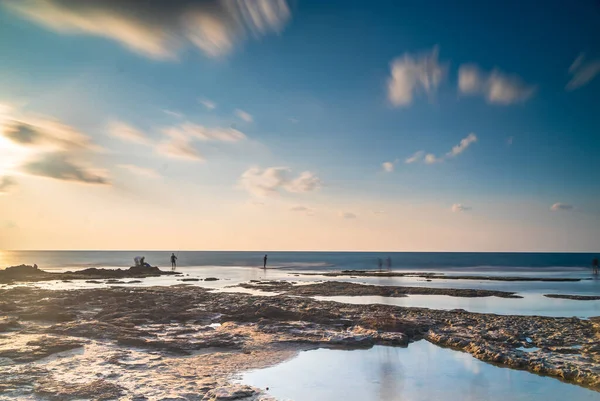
<point>421,372</point>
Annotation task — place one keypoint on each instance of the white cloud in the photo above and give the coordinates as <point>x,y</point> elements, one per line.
<point>388,167</point>
<point>190,130</point>
<point>142,171</point>
<point>582,72</point>
<point>463,145</point>
<point>244,115</point>
<point>6,183</point>
<point>173,113</point>
<point>302,209</point>
<point>272,180</point>
<point>160,29</point>
<point>510,140</point>
<point>457,208</point>
<point>417,156</point>
<point>456,150</point>
<point>561,206</point>
<point>128,133</point>
<point>208,104</point>
<point>347,215</point>
<point>411,74</point>
<point>496,87</point>
<point>294,120</point>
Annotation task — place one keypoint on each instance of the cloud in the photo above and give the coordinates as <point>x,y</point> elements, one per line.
<point>46,133</point>
<point>463,145</point>
<point>6,183</point>
<point>60,167</point>
<point>142,171</point>
<point>496,87</point>
<point>582,72</point>
<point>510,140</point>
<point>208,104</point>
<point>388,167</point>
<point>561,206</point>
<point>179,148</point>
<point>128,133</point>
<point>411,74</point>
<point>347,215</point>
<point>190,130</point>
<point>173,113</point>
<point>457,208</point>
<point>302,209</point>
<point>456,150</point>
<point>160,29</point>
<point>273,180</point>
<point>417,156</point>
<point>244,115</point>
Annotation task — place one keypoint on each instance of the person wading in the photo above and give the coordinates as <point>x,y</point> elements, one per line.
<point>265,262</point>
<point>173,261</point>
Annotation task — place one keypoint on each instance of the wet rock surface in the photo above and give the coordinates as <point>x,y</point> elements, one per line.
<point>25,273</point>
<point>186,342</point>
<point>439,276</point>
<point>336,288</point>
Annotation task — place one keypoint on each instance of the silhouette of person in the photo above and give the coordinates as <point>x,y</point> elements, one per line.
<point>265,262</point>
<point>173,261</point>
<point>595,266</point>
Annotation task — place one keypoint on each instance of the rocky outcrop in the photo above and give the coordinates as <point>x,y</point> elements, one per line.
<point>427,275</point>
<point>24,273</point>
<point>574,297</point>
<point>224,333</point>
<point>337,288</point>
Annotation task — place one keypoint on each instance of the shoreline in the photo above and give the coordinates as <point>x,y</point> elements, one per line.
<point>221,334</point>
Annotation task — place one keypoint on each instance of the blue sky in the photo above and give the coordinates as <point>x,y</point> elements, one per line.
<point>255,94</point>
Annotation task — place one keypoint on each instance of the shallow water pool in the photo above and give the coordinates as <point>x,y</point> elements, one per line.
<point>421,372</point>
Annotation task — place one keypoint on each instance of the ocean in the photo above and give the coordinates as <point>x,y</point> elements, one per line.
<point>496,262</point>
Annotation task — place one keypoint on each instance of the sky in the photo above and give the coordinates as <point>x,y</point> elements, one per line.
<point>300,125</point>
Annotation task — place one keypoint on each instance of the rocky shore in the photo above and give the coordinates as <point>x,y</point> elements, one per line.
<point>574,297</point>
<point>336,288</point>
<point>25,273</point>
<point>438,276</point>
<point>186,342</point>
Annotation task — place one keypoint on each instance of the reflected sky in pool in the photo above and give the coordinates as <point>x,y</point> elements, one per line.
<point>421,372</point>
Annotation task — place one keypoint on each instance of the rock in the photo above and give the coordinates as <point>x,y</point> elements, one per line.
<point>8,324</point>
<point>211,279</point>
<point>97,390</point>
<point>189,279</point>
<point>40,348</point>
<point>232,392</point>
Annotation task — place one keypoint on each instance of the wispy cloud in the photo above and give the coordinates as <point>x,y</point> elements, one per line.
<point>303,209</point>
<point>59,166</point>
<point>244,115</point>
<point>388,167</point>
<point>141,171</point>
<point>6,183</point>
<point>128,133</point>
<point>582,72</point>
<point>347,215</point>
<point>160,29</point>
<point>173,113</point>
<point>208,104</point>
<point>179,148</point>
<point>411,74</point>
<point>561,207</point>
<point>456,150</point>
<point>496,87</point>
<point>191,130</point>
<point>272,180</point>
<point>415,157</point>
<point>510,140</point>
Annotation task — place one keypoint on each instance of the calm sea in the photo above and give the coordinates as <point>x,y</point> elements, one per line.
<point>303,260</point>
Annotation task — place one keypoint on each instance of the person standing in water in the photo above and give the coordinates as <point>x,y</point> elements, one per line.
<point>380,263</point>
<point>388,263</point>
<point>595,266</point>
<point>265,262</point>
<point>173,261</point>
